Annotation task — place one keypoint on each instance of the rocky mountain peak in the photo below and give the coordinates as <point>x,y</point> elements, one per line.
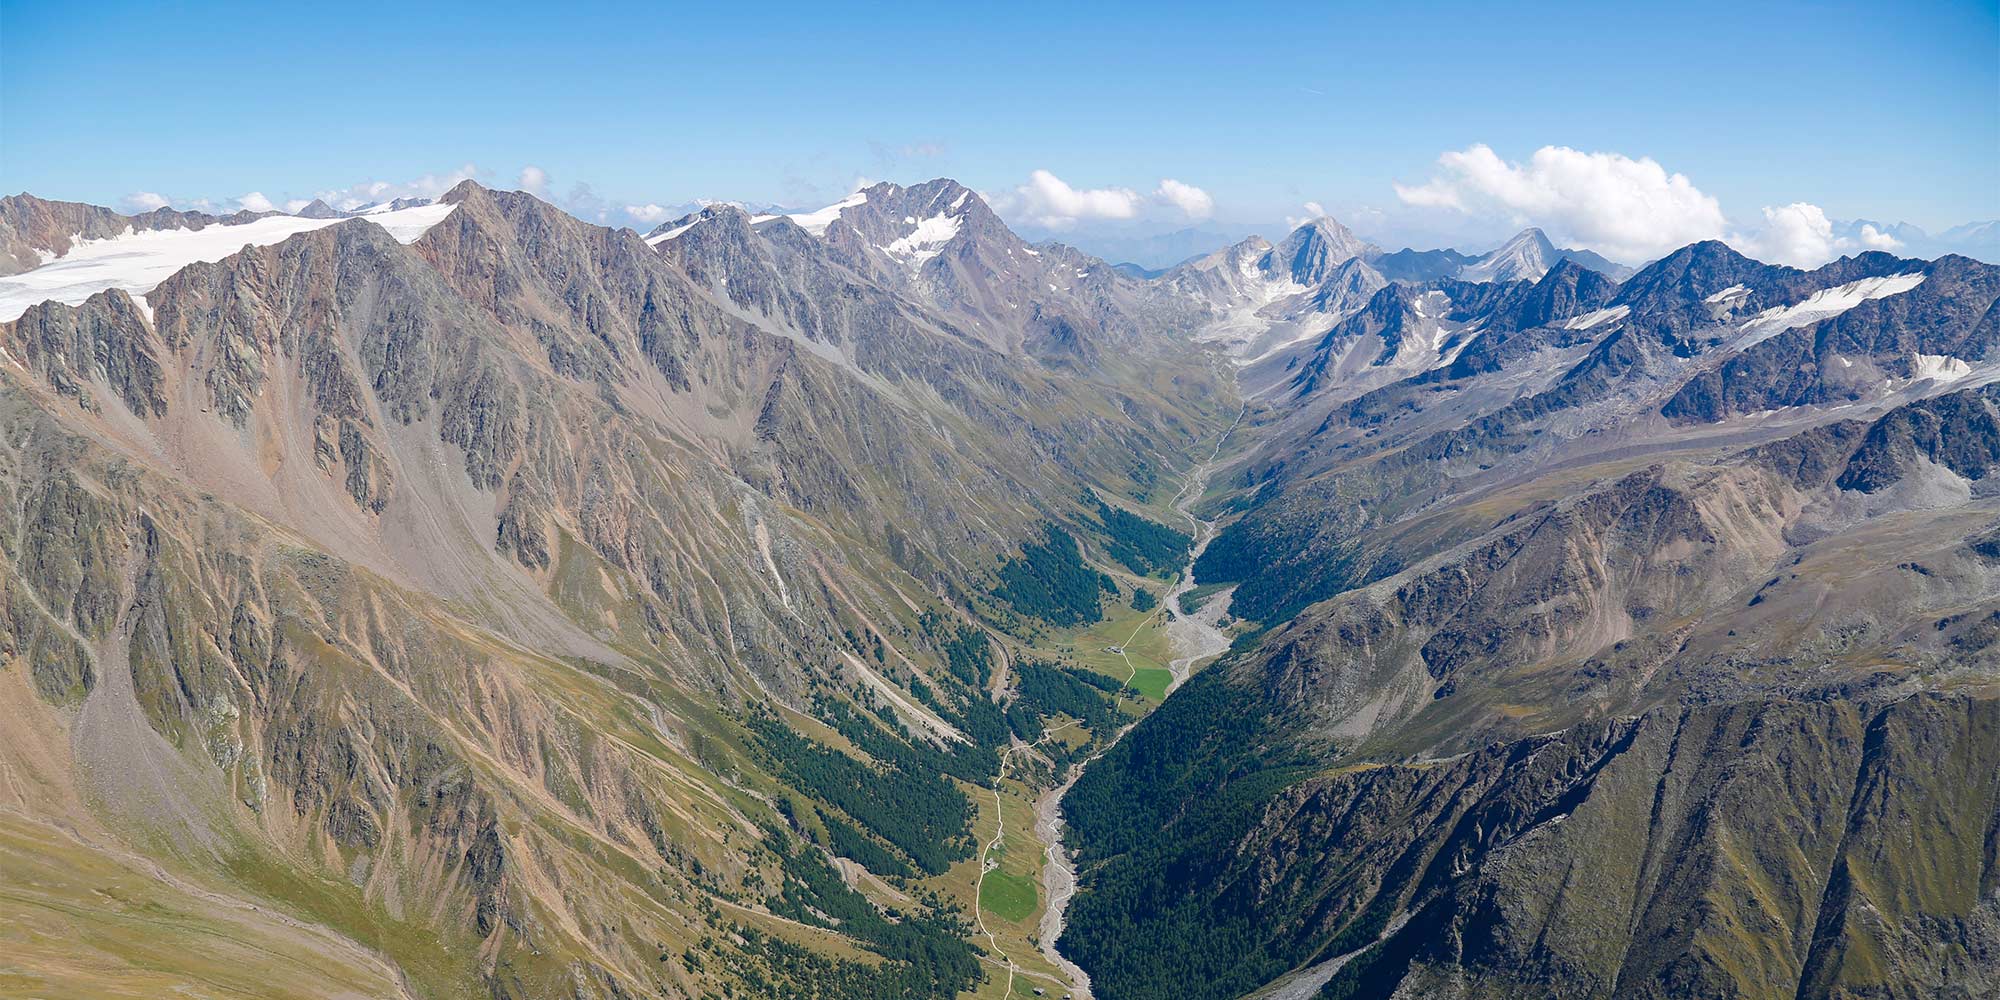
<point>713,216</point>
<point>463,190</point>
<point>1314,249</point>
<point>318,209</point>
<point>1525,257</point>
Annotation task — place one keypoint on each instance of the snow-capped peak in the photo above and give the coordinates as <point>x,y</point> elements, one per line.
<point>1313,250</point>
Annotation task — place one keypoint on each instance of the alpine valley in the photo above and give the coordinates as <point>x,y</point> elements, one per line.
<point>458,599</point>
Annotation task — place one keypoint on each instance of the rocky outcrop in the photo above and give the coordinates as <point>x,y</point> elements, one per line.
<point>103,342</point>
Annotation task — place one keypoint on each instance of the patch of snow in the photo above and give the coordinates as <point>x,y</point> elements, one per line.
<point>1597,318</point>
<point>1823,305</point>
<point>138,261</point>
<point>1939,367</point>
<point>1727,301</point>
<point>669,234</point>
<point>816,222</point>
<point>960,200</point>
<point>925,241</point>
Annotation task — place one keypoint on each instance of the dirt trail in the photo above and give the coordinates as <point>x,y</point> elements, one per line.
<point>987,864</point>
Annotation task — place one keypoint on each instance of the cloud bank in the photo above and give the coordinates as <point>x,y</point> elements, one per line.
<point>1627,209</point>
<point>1192,201</point>
<point>1624,208</point>
<point>649,213</point>
<point>1050,202</point>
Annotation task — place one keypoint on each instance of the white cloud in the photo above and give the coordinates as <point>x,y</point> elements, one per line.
<point>373,192</point>
<point>1628,209</point>
<point>1875,239</point>
<point>1314,210</point>
<point>255,202</point>
<point>648,212</point>
<point>1624,208</point>
<point>292,207</point>
<point>1050,202</point>
<point>1800,235</point>
<point>1192,201</point>
<point>535,181</point>
<point>144,201</point>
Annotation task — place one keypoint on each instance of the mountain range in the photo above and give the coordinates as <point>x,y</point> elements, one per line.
<point>456,598</point>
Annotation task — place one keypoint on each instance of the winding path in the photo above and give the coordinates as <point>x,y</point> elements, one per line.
<point>986,866</point>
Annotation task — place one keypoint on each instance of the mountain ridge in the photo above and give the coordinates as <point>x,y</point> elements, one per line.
<point>723,608</point>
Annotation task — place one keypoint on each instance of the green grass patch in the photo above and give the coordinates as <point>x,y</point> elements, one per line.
<point>1008,896</point>
<point>1152,682</point>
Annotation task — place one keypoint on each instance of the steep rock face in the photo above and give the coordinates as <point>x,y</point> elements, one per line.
<point>1959,432</point>
<point>33,230</point>
<point>939,244</point>
<point>105,341</point>
<point>1310,253</point>
<point>1953,314</point>
<point>593,301</point>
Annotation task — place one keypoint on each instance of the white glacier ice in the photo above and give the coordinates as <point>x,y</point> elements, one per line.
<point>138,261</point>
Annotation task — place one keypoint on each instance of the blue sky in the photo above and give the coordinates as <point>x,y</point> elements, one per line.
<point>1882,111</point>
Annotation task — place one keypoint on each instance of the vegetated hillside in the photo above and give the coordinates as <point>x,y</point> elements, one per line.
<point>1563,694</point>
<point>516,612</point>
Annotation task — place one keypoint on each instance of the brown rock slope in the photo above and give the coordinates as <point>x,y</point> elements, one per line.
<point>432,601</point>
